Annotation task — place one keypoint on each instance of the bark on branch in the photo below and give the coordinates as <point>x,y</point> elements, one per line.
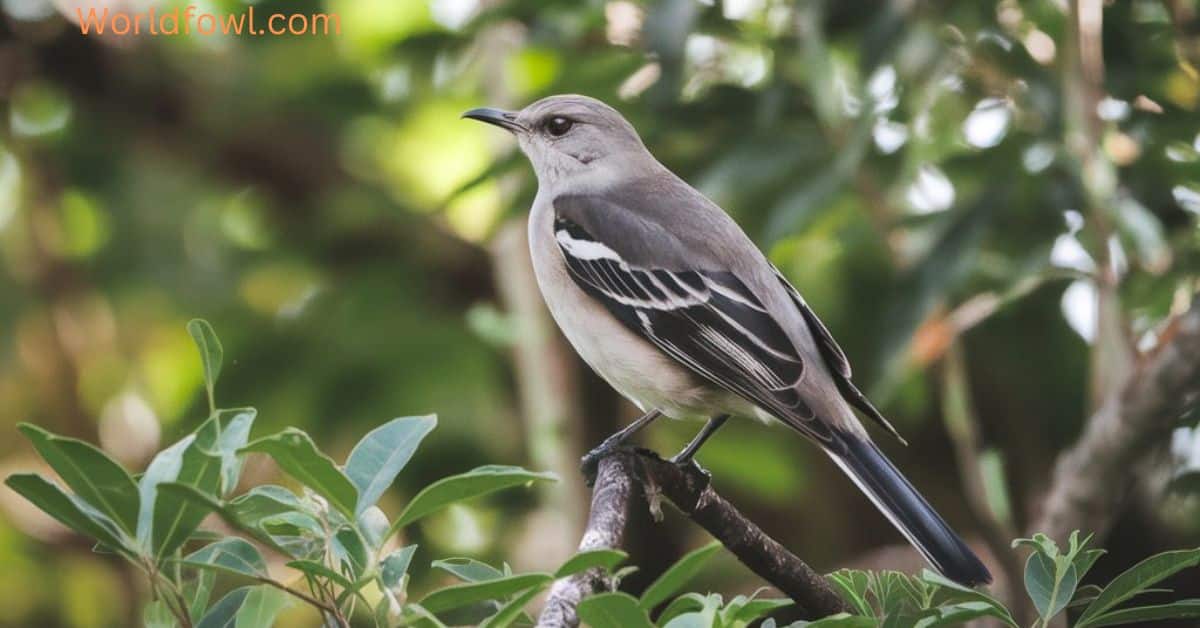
<point>1092,478</point>
<point>629,473</point>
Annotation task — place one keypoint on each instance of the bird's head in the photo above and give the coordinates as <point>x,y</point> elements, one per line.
<point>571,137</point>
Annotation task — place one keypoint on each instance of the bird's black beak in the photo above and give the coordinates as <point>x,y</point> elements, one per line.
<point>498,117</point>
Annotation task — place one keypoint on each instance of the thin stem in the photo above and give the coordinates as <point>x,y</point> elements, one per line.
<point>318,604</point>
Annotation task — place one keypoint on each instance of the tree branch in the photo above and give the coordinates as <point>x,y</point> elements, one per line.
<point>1092,478</point>
<point>689,490</point>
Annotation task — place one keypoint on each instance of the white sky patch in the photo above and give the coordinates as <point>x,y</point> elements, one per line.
<point>882,88</point>
<point>741,9</point>
<point>931,191</point>
<point>987,125</point>
<point>889,136</point>
<point>1079,308</point>
<point>1112,109</point>
<point>453,14</point>
<point>1037,157</point>
<point>1188,197</point>
<point>1067,251</point>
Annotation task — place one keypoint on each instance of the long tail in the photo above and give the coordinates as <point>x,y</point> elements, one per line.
<point>896,498</point>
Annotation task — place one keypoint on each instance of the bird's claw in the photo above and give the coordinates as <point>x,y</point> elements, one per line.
<point>689,465</point>
<point>589,464</point>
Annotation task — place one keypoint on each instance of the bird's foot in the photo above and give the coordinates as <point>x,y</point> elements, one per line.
<point>688,464</point>
<point>589,464</point>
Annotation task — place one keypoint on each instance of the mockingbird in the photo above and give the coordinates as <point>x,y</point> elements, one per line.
<point>668,300</point>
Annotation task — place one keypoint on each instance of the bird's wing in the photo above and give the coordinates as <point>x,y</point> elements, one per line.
<point>705,318</point>
<point>836,360</point>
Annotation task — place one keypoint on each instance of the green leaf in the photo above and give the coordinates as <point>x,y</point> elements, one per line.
<point>681,605</point>
<point>705,616</point>
<point>319,570</point>
<point>841,620</point>
<point>956,614</point>
<point>264,501</point>
<point>156,614</point>
<point>1049,589</point>
<point>350,551</point>
<point>676,576</point>
<point>853,585</point>
<point>754,609</point>
<point>468,569</point>
<point>68,509</point>
<point>211,355</point>
<point>296,454</point>
<point>233,555</point>
<point>223,614</point>
<point>233,428</point>
<point>374,526</point>
<point>474,483</point>
<point>379,457</point>
<point>459,595</point>
<point>172,519</point>
<point>969,594</point>
<point>95,478</point>
<point>613,610</point>
<point>1137,578</point>
<point>395,565</point>
<point>1183,609</point>
<point>262,604</point>
<point>511,611</point>
<point>198,592</point>
<point>606,559</point>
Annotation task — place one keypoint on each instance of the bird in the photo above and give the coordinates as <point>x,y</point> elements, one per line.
<point>669,301</point>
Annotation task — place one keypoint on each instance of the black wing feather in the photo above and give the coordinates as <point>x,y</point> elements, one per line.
<point>707,320</point>
<point>835,358</point>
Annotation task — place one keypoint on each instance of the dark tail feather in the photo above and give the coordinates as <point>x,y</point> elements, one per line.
<point>908,511</point>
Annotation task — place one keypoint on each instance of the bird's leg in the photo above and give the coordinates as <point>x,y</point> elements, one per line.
<point>591,460</point>
<point>684,457</point>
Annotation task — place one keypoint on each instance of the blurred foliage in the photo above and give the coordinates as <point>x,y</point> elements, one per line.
<point>905,164</point>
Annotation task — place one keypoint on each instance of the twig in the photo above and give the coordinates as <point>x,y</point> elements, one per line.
<point>605,529</point>
<point>318,604</point>
<point>1092,479</point>
<point>689,490</point>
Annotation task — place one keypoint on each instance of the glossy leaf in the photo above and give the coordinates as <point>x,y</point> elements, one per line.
<point>969,594</point>
<point>677,575</point>
<point>468,569</point>
<point>66,508</point>
<point>1136,579</point>
<point>198,592</point>
<point>297,456</point>
<point>379,457</point>
<point>156,614</point>
<point>395,565</point>
<point>223,614</point>
<point>211,354</point>
<point>95,478</point>
<point>613,610</point>
<point>233,555</point>
<point>1183,609</point>
<point>260,608</point>
<point>234,431</point>
<point>512,610</point>
<point>460,595</point>
<point>606,559</point>
<point>264,501</point>
<point>475,483</point>
<point>174,518</point>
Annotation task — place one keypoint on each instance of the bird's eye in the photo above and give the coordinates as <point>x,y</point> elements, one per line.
<point>558,126</point>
